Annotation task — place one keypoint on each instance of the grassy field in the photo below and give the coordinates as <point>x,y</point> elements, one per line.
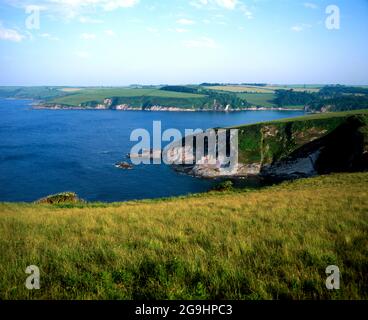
<point>272,243</point>
<point>264,89</point>
<point>259,99</point>
<point>242,89</point>
<point>262,96</point>
<point>99,94</point>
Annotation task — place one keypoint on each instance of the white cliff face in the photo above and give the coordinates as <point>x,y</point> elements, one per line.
<point>186,160</point>
<point>293,168</point>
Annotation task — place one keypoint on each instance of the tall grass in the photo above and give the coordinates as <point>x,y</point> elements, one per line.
<point>274,243</point>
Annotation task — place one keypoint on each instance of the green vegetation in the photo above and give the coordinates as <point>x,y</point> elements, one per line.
<point>38,93</point>
<point>64,197</point>
<point>212,97</point>
<point>312,98</point>
<point>264,100</point>
<point>329,98</point>
<point>274,243</point>
<point>224,186</point>
<point>136,97</point>
<point>268,142</point>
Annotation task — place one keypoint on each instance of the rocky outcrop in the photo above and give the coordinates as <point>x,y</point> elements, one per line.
<point>124,165</point>
<point>295,148</point>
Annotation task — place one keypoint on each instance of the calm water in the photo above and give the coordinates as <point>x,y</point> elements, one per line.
<point>48,151</point>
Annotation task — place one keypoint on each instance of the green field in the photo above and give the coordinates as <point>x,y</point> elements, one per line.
<point>99,94</point>
<point>264,89</point>
<point>263,96</point>
<point>274,243</point>
<point>241,89</point>
<point>259,99</point>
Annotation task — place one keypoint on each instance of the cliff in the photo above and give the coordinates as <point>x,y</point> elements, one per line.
<point>299,147</point>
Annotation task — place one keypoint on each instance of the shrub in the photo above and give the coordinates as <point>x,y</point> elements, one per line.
<point>63,197</point>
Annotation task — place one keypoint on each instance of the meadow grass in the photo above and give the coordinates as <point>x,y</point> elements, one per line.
<point>265,89</point>
<point>259,99</point>
<point>241,89</point>
<point>99,94</point>
<point>272,243</point>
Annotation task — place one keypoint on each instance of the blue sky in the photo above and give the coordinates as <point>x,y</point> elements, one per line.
<point>121,42</point>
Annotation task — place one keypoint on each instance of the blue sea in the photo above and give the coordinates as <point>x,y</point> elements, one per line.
<point>44,152</point>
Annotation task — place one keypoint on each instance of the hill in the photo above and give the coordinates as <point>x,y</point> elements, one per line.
<point>272,243</point>
<point>297,147</point>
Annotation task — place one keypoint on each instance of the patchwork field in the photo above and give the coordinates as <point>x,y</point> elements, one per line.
<point>264,89</point>
<point>99,94</point>
<point>242,89</point>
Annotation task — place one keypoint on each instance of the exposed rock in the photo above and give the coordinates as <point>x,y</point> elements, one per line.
<point>124,165</point>
<point>60,198</point>
<point>287,152</point>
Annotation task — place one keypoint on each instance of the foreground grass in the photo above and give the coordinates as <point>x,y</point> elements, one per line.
<point>273,243</point>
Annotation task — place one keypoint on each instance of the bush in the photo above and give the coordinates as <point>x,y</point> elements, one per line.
<point>64,197</point>
<point>224,186</point>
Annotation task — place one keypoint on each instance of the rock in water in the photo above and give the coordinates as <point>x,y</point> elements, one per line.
<point>124,165</point>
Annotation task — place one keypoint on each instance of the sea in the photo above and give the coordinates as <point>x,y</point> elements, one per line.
<point>44,152</point>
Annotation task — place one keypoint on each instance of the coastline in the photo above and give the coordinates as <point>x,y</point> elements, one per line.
<point>156,108</point>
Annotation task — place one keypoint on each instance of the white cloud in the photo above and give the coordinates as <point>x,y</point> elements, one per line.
<point>112,5</point>
<point>245,10</point>
<point>10,34</point>
<point>199,3</point>
<point>186,22</point>
<point>227,4</point>
<point>297,28</point>
<point>110,33</point>
<point>88,36</point>
<point>201,43</point>
<point>48,36</point>
<point>84,19</point>
<point>310,5</point>
<point>300,27</point>
<point>71,9</point>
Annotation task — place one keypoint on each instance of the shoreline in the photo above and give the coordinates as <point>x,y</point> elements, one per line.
<point>159,109</point>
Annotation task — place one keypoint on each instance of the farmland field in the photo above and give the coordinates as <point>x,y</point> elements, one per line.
<point>259,99</point>
<point>265,89</point>
<point>99,94</point>
<point>241,89</point>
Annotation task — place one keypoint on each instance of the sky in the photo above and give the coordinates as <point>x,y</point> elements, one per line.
<point>122,42</point>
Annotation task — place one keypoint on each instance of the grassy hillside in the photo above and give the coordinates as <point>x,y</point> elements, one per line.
<point>264,89</point>
<point>259,99</point>
<point>99,94</point>
<point>38,93</point>
<point>274,243</point>
<point>272,141</point>
<point>263,96</point>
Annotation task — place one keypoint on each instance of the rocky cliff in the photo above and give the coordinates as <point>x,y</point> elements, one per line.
<point>298,147</point>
